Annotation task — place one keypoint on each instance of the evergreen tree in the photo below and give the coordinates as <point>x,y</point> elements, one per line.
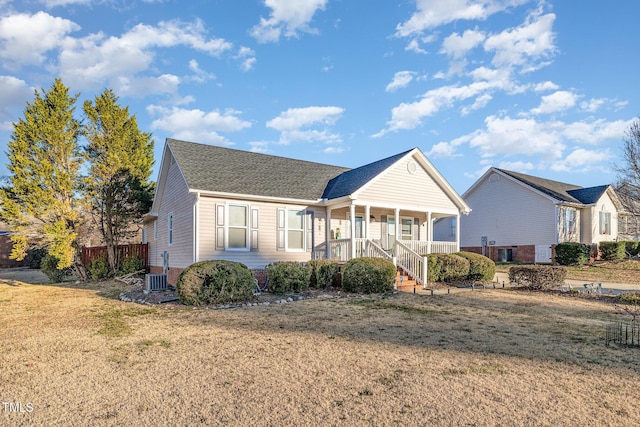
<point>39,203</point>
<point>120,160</point>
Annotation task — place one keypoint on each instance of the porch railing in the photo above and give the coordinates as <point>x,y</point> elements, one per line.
<point>431,247</point>
<point>411,262</point>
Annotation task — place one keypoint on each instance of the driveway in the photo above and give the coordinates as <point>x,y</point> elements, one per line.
<point>23,274</point>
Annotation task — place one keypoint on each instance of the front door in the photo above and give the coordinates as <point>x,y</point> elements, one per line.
<point>391,227</point>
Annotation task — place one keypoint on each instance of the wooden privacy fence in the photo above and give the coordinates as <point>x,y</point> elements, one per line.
<point>134,250</point>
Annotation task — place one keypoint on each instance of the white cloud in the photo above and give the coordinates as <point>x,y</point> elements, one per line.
<point>517,166</point>
<point>200,75</point>
<point>259,147</point>
<point>14,95</point>
<point>524,45</point>
<point>25,39</point>
<point>97,59</point>
<point>507,136</point>
<point>197,125</point>
<point>457,45</point>
<point>288,18</point>
<point>582,160</point>
<point>291,123</point>
<point>478,104</point>
<point>400,79</point>
<point>545,86</point>
<point>593,104</point>
<point>433,13</point>
<point>247,58</point>
<point>139,87</point>
<point>597,131</point>
<point>333,150</point>
<point>558,101</point>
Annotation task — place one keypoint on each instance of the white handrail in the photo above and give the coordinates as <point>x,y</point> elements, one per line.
<point>412,262</point>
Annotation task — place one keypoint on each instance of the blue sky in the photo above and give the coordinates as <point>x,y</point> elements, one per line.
<point>547,88</point>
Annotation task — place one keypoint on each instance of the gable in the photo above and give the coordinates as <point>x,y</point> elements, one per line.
<point>410,183</point>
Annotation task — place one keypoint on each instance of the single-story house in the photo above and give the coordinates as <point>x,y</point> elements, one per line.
<point>220,203</point>
<point>518,217</point>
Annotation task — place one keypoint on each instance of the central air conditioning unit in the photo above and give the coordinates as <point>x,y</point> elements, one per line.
<point>155,282</point>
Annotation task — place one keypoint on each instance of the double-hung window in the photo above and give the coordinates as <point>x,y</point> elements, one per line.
<point>238,228</point>
<point>294,230</point>
<point>570,221</point>
<point>605,222</point>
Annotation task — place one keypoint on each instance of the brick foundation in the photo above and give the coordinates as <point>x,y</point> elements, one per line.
<point>520,253</point>
<point>172,274</point>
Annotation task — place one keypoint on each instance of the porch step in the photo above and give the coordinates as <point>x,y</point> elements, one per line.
<point>404,282</point>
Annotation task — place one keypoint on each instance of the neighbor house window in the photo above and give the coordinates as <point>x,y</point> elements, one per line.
<point>238,228</point>
<point>605,223</point>
<point>570,221</point>
<point>155,230</point>
<point>170,229</point>
<point>454,226</point>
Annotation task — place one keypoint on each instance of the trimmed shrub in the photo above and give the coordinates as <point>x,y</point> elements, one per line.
<point>324,273</point>
<point>631,298</point>
<point>447,268</point>
<point>49,266</point>
<point>612,251</point>
<point>99,269</point>
<point>368,275</point>
<point>481,268</point>
<point>131,265</point>
<point>215,282</point>
<point>538,277</point>
<point>632,248</point>
<point>288,276</point>
<point>572,253</point>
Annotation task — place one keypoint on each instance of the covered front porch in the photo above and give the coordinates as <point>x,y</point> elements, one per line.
<point>400,233</point>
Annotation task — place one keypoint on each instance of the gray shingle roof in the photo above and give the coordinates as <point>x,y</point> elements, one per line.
<point>225,170</point>
<point>560,190</point>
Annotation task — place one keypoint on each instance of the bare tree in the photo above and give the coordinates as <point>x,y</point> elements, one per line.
<point>628,184</point>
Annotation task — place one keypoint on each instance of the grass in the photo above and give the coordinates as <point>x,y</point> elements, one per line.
<point>493,357</point>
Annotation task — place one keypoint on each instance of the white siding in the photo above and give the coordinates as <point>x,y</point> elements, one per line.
<point>399,187</point>
<point>176,200</point>
<point>267,233</point>
<point>509,214</point>
<point>605,204</point>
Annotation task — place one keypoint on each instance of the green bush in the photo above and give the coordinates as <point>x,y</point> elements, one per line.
<point>49,266</point>
<point>324,273</point>
<point>131,265</point>
<point>288,276</point>
<point>632,298</point>
<point>215,282</point>
<point>632,248</point>
<point>99,269</point>
<point>612,251</point>
<point>447,268</point>
<point>34,258</point>
<point>368,275</point>
<point>481,268</point>
<point>572,253</point>
<point>537,277</point>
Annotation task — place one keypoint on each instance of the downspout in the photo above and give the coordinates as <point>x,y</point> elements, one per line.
<point>196,224</point>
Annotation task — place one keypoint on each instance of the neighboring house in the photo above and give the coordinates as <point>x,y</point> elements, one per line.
<point>219,203</point>
<point>518,217</point>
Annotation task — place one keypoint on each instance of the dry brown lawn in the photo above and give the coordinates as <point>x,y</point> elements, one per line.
<point>77,356</point>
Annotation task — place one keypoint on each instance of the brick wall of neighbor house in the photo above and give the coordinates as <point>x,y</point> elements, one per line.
<point>520,253</point>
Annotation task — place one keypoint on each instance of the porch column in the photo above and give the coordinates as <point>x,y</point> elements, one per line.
<point>429,232</point>
<point>327,248</point>
<point>367,226</point>
<point>352,227</point>
<point>397,224</point>
<point>458,232</point>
